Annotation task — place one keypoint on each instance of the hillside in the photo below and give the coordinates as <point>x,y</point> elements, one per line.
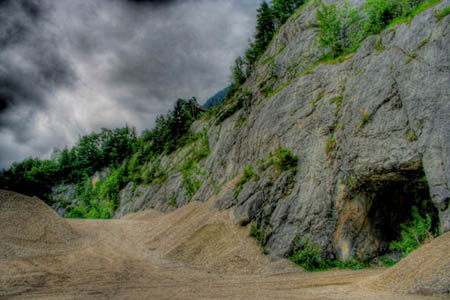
<point>318,143</point>
<point>369,130</point>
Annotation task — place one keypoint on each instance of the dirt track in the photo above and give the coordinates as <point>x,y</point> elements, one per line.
<point>192,253</point>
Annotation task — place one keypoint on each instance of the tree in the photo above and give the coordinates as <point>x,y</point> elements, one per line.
<point>265,27</point>
<point>339,30</point>
<point>237,71</point>
<point>283,9</point>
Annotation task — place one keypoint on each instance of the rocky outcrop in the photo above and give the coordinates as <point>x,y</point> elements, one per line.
<point>372,134</point>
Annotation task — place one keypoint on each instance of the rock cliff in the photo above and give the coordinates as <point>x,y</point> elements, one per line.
<point>371,132</point>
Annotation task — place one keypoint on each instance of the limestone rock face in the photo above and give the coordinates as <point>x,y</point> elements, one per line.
<point>372,134</point>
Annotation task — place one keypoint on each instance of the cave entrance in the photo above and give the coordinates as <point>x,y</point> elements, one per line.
<point>389,198</point>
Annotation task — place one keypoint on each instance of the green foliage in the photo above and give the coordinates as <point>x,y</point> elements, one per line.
<point>171,131</point>
<point>249,174</point>
<point>338,29</point>
<point>269,18</point>
<point>440,14</point>
<point>93,152</point>
<point>341,30</point>
<point>283,9</point>
<point>261,237</point>
<point>190,169</point>
<point>191,183</point>
<point>118,149</point>
<point>173,202</point>
<point>238,72</point>
<point>388,262</point>
<point>154,174</point>
<point>99,202</point>
<point>365,118</point>
<point>331,144</point>
<point>265,29</point>
<point>32,177</point>
<point>414,233</point>
<point>239,103</point>
<point>379,45</point>
<point>379,14</point>
<point>338,101</point>
<point>284,160</point>
<point>309,256</point>
<point>411,8</point>
<point>268,84</point>
<point>257,233</point>
<point>412,136</point>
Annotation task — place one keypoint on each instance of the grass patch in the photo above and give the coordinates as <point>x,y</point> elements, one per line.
<point>412,136</point>
<point>379,45</point>
<point>331,144</point>
<point>190,169</point>
<point>423,43</point>
<point>260,236</point>
<point>249,174</point>
<point>442,13</point>
<point>319,97</point>
<point>365,118</point>
<point>268,60</point>
<point>280,88</point>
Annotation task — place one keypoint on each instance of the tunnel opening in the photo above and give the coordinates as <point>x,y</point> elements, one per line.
<point>388,199</point>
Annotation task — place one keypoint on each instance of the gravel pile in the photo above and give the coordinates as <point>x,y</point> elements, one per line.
<point>29,227</point>
<point>424,271</point>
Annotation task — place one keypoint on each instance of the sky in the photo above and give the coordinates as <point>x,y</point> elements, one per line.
<point>71,67</point>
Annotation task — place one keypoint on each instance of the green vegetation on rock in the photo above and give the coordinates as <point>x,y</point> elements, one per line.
<point>414,233</point>
<point>341,30</point>
<point>190,169</point>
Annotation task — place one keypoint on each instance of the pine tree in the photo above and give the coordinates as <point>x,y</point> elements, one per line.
<point>265,27</point>
<point>283,9</point>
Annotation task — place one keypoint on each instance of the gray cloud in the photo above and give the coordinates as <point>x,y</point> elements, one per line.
<point>69,67</point>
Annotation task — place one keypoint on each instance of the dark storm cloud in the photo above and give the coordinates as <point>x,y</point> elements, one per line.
<point>30,62</point>
<point>69,67</point>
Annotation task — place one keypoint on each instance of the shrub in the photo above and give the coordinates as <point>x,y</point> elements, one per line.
<point>260,236</point>
<point>309,256</point>
<point>284,160</point>
<point>191,183</point>
<point>338,29</point>
<point>379,14</point>
<point>414,233</point>
<point>440,14</point>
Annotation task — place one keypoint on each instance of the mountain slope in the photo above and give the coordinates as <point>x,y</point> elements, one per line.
<point>330,152</point>
<point>366,130</point>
